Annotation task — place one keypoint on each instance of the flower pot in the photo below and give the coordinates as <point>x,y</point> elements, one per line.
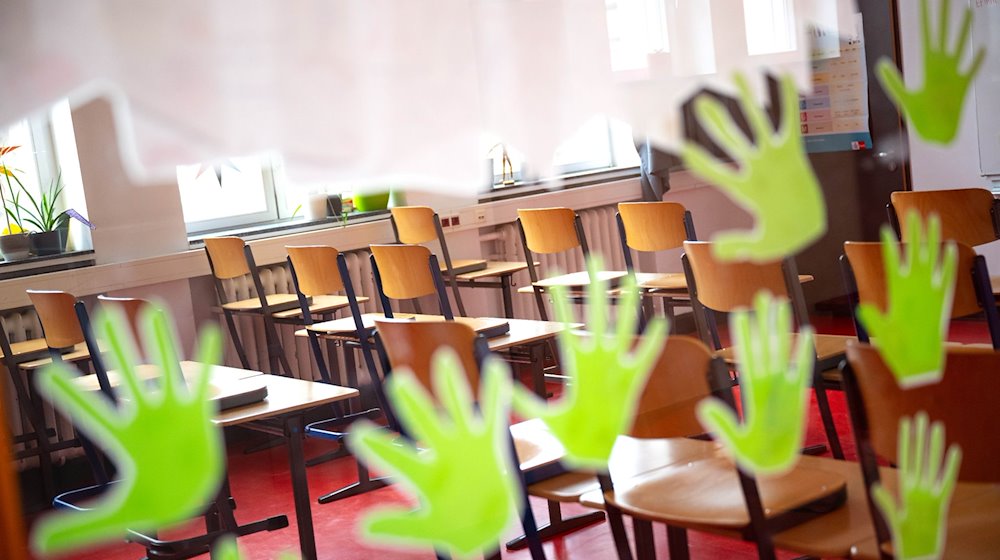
<point>15,247</point>
<point>370,202</point>
<point>49,242</point>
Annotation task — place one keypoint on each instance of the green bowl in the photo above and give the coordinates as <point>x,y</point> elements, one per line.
<point>371,201</point>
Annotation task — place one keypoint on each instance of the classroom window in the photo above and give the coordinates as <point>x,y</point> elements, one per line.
<point>233,192</point>
<point>46,153</point>
<point>770,26</point>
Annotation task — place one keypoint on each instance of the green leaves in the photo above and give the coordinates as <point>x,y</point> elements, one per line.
<point>921,286</point>
<point>774,385</point>
<point>41,213</point>
<point>918,521</point>
<point>462,471</point>
<point>605,375</point>
<point>935,109</point>
<point>774,182</point>
<point>168,453</point>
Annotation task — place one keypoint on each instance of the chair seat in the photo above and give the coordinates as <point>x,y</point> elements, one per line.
<point>29,349</point>
<point>251,305</point>
<point>79,353</point>
<point>675,281</point>
<point>707,493</point>
<point>494,268</point>
<point>463,266</point>
<point>828,346</point>
<point>630,457</point>
<point>321,305</point>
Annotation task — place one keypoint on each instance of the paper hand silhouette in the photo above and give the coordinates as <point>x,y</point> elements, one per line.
<point>774,182</point>
<point>463,471</point>
<point>936,109</point>
<point>910,334</point>
<point>918,523</point>
<point>606,375</point>
<point>168,453</point>
<point>774,386</point>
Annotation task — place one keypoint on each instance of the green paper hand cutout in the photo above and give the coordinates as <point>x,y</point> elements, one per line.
<point>919,523</point>
<point>463,470</point>
<point>936,109</point>
<point>168,453</point>
<point>910,335</point>
<point>775,181</point>
<point>226,549</point>
<point>774,384</point>
<point>606,376</point>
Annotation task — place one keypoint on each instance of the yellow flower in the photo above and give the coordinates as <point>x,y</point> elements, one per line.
<point>14,228</point>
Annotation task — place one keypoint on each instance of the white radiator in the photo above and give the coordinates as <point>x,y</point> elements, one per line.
<point>278,279</point>
<point>601,230</point>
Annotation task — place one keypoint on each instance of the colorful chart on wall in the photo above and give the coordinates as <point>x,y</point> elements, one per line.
<point>835,115</point>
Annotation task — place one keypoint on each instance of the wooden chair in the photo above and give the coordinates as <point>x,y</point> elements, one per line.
<point>970,413</point>
<point>319,272</point>
<point>651,227</point>
<point>726,286</point>
<point>31,407</point>
<point>219,517</point>
<point>548,231</point>
<point>408,272</point>
<point>229,258</point>
<point>412,345</point>
<point>864,274</point>
<point>968,216</point>
<point>704,490</point>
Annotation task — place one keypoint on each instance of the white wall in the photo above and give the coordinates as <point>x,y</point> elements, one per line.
<point>957,165</point>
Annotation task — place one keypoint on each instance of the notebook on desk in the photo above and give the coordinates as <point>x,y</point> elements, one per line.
<point>489,327</point>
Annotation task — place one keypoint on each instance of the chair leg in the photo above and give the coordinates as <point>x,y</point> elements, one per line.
<point>615,520</point>
<point>645,546</point>
<point>558,526</point>
<point>364,484</point>
<point>275,352</point>
<point>823,403</point>
<point>37,416</point>
<point>237,343</point>
<point>540,302</point>
<point>677,543</point>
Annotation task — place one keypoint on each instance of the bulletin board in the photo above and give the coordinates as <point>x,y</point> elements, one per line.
<point>834,117</point>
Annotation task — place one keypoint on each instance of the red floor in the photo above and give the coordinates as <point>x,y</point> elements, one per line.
<point>262,487</point>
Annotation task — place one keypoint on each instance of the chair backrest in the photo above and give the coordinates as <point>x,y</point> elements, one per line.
<point>549,230</point>
<point>679,381</point>
<point>404,270</point>
<point>726,286</point>
<point>412,344</point>
<point>654,226</point>
<point>967,215</point>
<point>414,224</point>
<point>227,257</point>
<point>58,318</point>
<point>868,270</point>
<point>316,269</point>
<point>132,307</point>
<point>964,400</point>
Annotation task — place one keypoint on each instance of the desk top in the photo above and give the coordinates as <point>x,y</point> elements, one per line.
<point>522,331</point>
<point>284,395</point>
<point>494,268</point>
<point>582,278</point>
<point>189,369</point>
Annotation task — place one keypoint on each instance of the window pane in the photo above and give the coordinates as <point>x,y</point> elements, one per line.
<point>770,26</point>
<point>636,29</point>
<point>232,189</point>
<point>22,160</point>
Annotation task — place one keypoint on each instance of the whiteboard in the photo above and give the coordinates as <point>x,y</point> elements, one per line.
<point>986,32</point>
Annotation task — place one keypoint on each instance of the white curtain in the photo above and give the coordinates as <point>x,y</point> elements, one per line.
<point>356,90</point>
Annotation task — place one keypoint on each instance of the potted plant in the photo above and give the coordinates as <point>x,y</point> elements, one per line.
<point>14,243</point>
<point>40,213</point>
